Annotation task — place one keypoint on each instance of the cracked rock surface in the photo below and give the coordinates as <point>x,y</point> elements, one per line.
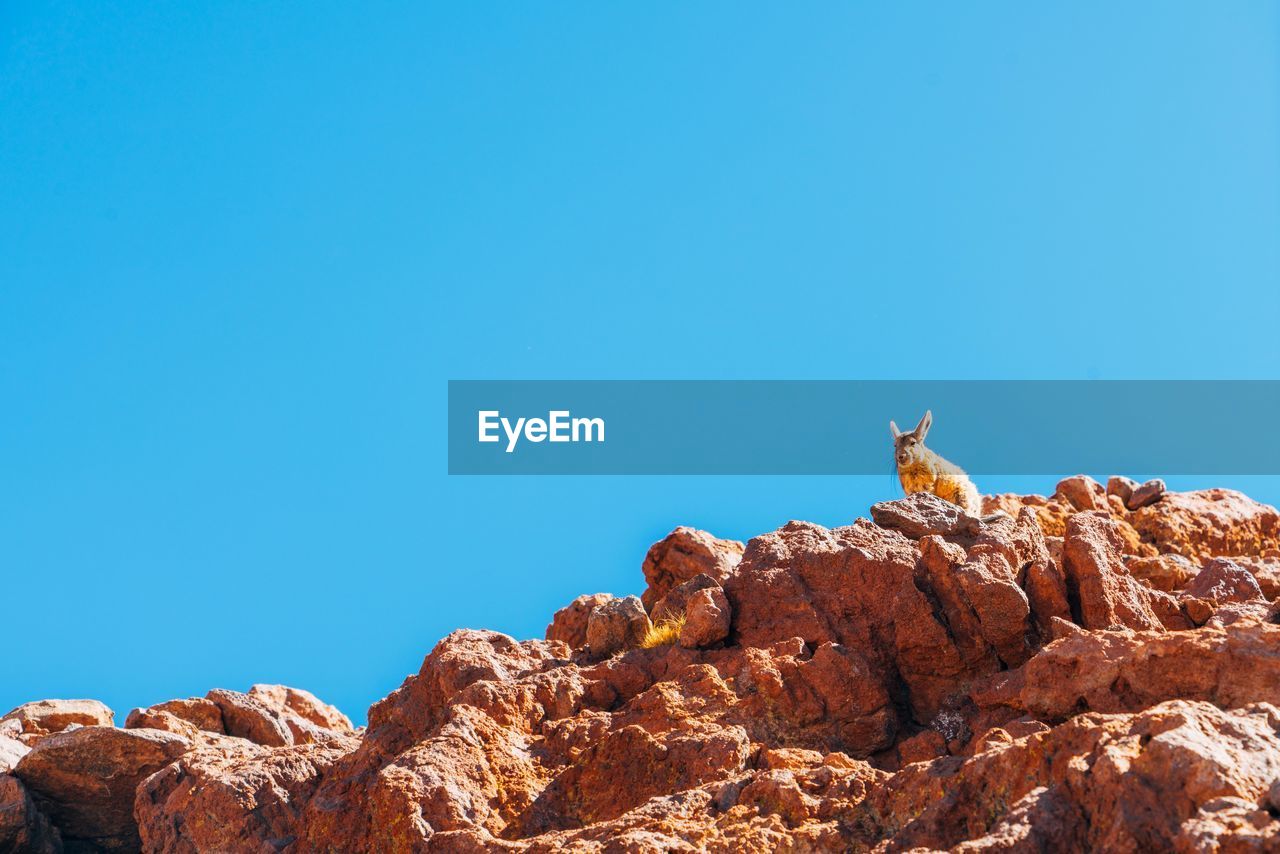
<point>1065,674</point>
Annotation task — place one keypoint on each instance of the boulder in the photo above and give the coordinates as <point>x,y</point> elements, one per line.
<point>1141,782</point>
<point>1098,582</point>
<point>854,586</point>
<point>246,799</point>
<point>921,514</point>
<point>676,602</point>
<point>1208,523</point>
<point>1126,671</point>
<point>1052,514</point>
<point>1083,493</point>
<point>249,717</point>
<point>184,717</point>
<point>1147,494</point>
<point>707,618</point>
<point>1218,583</point>
<point>31,722</point>
<point>84,780</point>
<point>276,715</point>
<point>11,750</point>
<point>616,625</point>
<point>1121,487</point>
<point>570,623</point>
<point>23,828</point>
<point>296,702</point>
<point>681,555</point>
<point>1266,569</point>
<point>449,750</point>
<point>1169,572</point>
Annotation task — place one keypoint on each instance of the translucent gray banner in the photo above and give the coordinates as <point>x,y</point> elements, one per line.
<point>841,427</point>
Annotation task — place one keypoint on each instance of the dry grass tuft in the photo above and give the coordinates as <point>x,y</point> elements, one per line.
<point>664,632</point>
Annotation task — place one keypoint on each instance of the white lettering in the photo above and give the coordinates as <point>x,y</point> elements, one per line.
<point>587,424</point>
<point>487,424</point>
<point>558,426</point>
<point>513,436</point>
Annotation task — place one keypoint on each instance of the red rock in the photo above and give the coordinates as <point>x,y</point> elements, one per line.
<point>1052,515</point>
<point>1134,782</point>
<point>33,721</point>
<point>676,602</point>
<point>1097,578</point>
<point>1220,582</point>
<point>1265,569</point>
<point>1121,487</point>
<point>248,799</point>
<point>1083,493</point>
<point>616,625</point>
<point>297,702</point>
<point>788,759</point>
<point>975,685</point>
<point>1040,560</point>
<point>248,717</point>
<point>1162,572</point>
<point>1147,494</point>
<point>23,828</point>
<point>84,780</point>
<point>924,746</point>
<point>1123,671</point>
<point>854,586</point>
<point>1209,523</point>
<point>197,713</point>
<point>681,555</point>
<point>988,578</point>
<point>1007,733</point>
<point>630,765</point>
<point>1170,611</point>
<point>706,618</point>
<point>923,513</point>
<point>11,750</point>
<point>449,749</point>
<point>570,623</point>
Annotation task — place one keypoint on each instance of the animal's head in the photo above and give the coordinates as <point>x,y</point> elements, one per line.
<point>909,447</point>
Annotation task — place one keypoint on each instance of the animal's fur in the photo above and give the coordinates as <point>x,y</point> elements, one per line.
<point>922,470</point>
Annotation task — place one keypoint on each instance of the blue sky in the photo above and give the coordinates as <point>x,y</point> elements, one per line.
<point>243,247</point>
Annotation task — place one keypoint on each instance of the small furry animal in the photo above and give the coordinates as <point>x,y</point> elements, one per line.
<point>921,470</point>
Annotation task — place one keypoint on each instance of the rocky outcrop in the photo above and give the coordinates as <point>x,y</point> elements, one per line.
<point>22,826</point>
<point>616,625</point>
<point>707,617</point>
<point>84,780</point>
<point>245,798</point>
<point>683,554</point>
<point>81,786</point>
<point>570,623</point>
<point>1067,674</point>
<point>1208,523</point>
<point>31,722</point>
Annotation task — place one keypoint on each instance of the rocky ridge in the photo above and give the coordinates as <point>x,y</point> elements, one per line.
<point>1097,669</point>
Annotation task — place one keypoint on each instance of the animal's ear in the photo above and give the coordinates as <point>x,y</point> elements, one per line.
<point>893,430</point>
<point>922,429</point>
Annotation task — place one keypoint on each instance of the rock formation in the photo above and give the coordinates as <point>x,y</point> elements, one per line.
<point>1094,670</point>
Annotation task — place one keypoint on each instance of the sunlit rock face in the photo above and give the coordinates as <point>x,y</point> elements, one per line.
<point>1094,670</point>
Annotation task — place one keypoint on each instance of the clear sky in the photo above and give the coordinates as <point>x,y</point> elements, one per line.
<point>244,245</point>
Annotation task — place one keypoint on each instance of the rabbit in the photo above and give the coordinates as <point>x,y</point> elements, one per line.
<point>921,470</point>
